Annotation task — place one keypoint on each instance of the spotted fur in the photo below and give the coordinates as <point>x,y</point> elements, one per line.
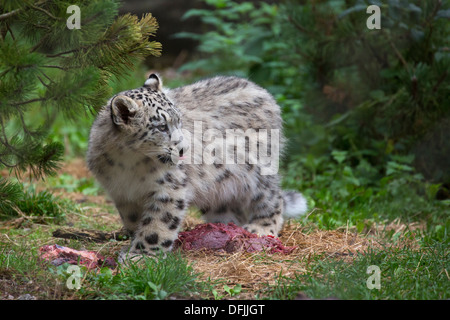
<point>134,155</point>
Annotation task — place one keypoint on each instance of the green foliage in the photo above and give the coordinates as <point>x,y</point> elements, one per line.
<point>233,291</point>
<point>379,90</point>
<point>236,35</point>
<point>51,70</point>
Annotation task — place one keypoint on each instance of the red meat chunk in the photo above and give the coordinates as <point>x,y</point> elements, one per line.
<point>228,238</point>
<point>57,255</point>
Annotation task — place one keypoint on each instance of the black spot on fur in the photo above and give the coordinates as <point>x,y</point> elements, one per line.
<point>108,159</point>
<point>164,199</point>
<point>262,216</point>
<point>258,197</point>
<point>171,220</point>
<point>152,238</point>
<point>184,182</point>
<point>221,209</point>
<point>262,205</point>
<point>237,211</point>
<point>169,178</point>
<point>167,217</point>
<point>143,135</point>
<point>147,221</point>
<point>146,160</point>
<point>180,204</point>
<point>166,243</point>
<point>153,208</point>
<point>225,175</point>
<point>133,217</point>
<point>175,223</point>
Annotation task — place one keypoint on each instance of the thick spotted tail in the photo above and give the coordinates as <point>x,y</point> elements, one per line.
<point>295,204</point>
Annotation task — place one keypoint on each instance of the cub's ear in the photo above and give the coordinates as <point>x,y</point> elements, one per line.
<point>153,82</point>
<point>123,109</point>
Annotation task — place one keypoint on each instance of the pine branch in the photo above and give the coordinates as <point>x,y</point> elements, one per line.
<point>10,32</point>
<point>54,55</point>
<point>46,12</point>
<point>40,43</point>
<point>397,53</point>
<point>441,79</point>
<point>10,14</point>
<point>27,102</point>
<point>81,62</point>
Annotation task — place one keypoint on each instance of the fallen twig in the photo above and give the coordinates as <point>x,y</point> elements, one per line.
<point>90,235</point>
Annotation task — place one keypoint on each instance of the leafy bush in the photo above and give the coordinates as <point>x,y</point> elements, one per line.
<point>382,91</point>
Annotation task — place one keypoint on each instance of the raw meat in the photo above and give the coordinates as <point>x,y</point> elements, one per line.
<point>57,255</point>
<point>228,238</point>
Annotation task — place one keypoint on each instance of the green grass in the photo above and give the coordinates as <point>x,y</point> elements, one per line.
<point>405,274</point>
<point>414,265</point>
<point>149,278</point>
<point>21,271</point>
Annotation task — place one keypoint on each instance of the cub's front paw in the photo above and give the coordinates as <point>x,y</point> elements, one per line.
<point>129,254</point>
<point>143,247</point>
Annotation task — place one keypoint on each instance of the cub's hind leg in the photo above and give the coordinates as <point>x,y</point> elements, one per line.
<point>265,213</point>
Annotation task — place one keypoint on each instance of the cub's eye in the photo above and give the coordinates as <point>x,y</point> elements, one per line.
<point>162,127</point>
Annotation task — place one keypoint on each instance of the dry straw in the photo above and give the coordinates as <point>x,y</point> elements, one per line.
<point>255,271</point>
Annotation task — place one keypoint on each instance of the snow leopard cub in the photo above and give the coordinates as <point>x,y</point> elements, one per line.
<point>158,151</point>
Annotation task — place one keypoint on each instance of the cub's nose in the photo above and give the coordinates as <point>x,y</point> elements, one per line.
<point>181,154</point>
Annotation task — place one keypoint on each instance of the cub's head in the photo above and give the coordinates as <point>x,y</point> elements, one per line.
<point>148,122</point>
